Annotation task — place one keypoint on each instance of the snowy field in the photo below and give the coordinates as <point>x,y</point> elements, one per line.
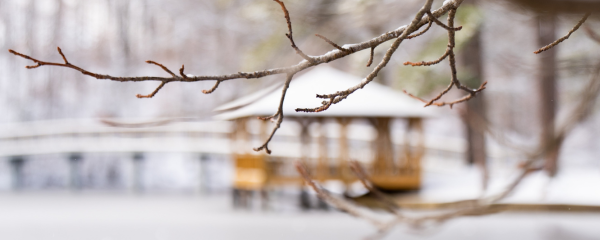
<point>102,216</point>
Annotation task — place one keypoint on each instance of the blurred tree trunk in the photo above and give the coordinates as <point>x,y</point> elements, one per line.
<point>547,90</point>
<point>475,110</point>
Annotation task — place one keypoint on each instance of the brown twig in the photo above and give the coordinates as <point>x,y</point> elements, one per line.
<point>448,28</point>
<point>423,63</point>
<point>470,95</point>
<point>332,43</point>
<point>278,115</point>
<point>421,32</point>
<point>415,24</point>
<point>551,45</point>
<point>289,34</point>
<point>371,57</point>
<point>62,55</point>
<point>452,62</point>
<point>325,106</point>
<point>181,72</point>
<point>162,84</point>
<point>213,88</point>
<point>162,66</point>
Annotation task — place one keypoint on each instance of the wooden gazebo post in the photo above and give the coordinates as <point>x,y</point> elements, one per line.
<point>344,151</point>
<point>413,156</point>
<point>322,171</point>
<point>383,148</point>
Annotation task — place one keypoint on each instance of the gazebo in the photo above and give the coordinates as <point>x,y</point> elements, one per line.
<point>376,103</point>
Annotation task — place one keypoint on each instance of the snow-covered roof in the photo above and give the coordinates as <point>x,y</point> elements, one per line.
<point>374,100</point>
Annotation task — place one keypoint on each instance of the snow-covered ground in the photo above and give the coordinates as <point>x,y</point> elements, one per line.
<point>95,216</point>
<point>571,186</point>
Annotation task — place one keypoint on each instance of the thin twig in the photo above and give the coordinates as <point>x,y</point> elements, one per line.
<point>551,45</point>
<point>162,66</point>
<point>371,57</point>
<point>289,35</point>
<point>278,115</point>
<point>162,84</point>
<point>448,28</point>
<point>451,103</point>
<point>423,63</point>
<point>332,43</point>
<point>213,88</point>
<point>181,72</point>
<point>417,22</point>
<point>62,55</point>
<point>421,32</point>
<point>325,106</point>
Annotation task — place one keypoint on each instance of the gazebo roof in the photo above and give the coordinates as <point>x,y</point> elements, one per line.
<point>374,100</point>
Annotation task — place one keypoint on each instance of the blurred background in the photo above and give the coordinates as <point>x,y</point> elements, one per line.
<point>82,158</point>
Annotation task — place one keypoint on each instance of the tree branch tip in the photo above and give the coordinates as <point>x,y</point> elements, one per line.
<point>483,85</point>
<point>62,55</point>
<point>261,148</point>
<point>182,73</point>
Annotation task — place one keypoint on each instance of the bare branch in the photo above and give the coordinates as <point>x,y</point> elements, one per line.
<point>399,35</point>
<point>325,106</point>
<point>162,84</point>
<point>63,55</point>
<point>551,45</point>
<point>449,28</point>
<point>423,63</point>
<point>289,34</point>
<point>417,22</point>
<point>162,66</point>
<point>181,72</point>
<point>325,58</point>
<point>452,62</point>
<point>332,43</point>
<point>213,88</point>
<point>278,115</point>
<point>471,94</point>
<point>421,32</point>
